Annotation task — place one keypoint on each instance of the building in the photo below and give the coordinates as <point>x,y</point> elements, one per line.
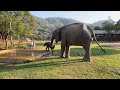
<point>104,35</point>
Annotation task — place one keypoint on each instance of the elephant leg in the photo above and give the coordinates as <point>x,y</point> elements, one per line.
<point>62,51</point>
<point>46,48</point>
<point>67,52</point>
<point>87,53</point>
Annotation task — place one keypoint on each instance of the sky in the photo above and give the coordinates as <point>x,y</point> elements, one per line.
<point>83,16</point>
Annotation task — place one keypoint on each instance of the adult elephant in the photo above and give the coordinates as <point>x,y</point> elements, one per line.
<point>77,34</point>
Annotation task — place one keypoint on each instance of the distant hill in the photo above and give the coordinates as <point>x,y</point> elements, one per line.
<point>60,21</point>
<point>47,25</point>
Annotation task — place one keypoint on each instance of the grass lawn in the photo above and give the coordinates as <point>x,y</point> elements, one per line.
<point>102,66</point>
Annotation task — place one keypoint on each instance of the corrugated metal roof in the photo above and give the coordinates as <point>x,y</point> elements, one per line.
<point>105,31</point>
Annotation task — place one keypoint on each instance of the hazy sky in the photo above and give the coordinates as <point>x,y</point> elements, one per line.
<point>83,16</point>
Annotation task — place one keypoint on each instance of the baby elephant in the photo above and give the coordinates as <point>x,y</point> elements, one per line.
<point>48,45</point>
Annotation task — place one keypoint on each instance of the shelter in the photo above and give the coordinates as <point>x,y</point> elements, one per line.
<point>105,35</point>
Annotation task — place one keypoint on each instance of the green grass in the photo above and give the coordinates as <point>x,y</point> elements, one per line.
<point>102,66</point>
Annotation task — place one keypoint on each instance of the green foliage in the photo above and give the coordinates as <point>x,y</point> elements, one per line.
<point>22,23</point>
<point>117,25</point>
<point>19,46</point>
<point>108,26</point>
<point>97,28</point>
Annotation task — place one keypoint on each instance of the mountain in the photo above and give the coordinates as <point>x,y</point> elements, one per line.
<point>60,21</point>
<point>47,25</point>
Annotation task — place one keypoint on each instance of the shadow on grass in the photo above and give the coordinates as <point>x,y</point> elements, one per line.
<point>7,67</point>
<point>95,51</point>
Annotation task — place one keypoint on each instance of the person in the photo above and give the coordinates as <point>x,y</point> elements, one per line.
<point>31,44</point>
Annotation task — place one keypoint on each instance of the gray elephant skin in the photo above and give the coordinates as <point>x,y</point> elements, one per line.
<point>77,34</point>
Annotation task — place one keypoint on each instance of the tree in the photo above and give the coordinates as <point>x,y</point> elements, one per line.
<point>117,25</point>
<point>16,24</point>
<point>5,25</point>
<point>108,26</point>
<point>24,24</point>
<point>97,28</point>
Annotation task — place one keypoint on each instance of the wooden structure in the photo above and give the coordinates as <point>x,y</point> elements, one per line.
<point>104,35</point>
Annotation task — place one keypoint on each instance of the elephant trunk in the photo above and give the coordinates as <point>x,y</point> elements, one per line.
<point>52,40</point>
<point>52,46</point>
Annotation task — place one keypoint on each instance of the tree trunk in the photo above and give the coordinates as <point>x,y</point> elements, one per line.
<point>52,40</point>
<point>19,40</point>
<point>11,40</point>
<point>2,38</point>
<point>6,44</point>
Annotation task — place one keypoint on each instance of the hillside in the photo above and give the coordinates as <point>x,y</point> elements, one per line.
<point>59,21</point>
<point>47,25</point>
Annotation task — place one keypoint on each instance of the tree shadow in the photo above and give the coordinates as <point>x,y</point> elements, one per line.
<point>109,51</point>
<point>94,51</point>
<point>9,67</point>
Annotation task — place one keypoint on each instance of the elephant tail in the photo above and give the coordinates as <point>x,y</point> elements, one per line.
<point>94,37</point>
<point>98,43</point>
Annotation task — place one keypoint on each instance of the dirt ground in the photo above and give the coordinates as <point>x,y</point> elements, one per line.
<point>44,54</point>
<point>111,44</point>
<point>18,59</point>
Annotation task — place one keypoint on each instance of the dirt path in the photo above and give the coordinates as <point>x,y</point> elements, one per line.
<point>111,44</point>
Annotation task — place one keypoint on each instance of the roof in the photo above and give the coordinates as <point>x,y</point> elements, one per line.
<point>105,32</point>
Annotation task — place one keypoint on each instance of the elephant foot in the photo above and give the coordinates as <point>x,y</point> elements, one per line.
<point>67,56</point>
<point>87,59</point>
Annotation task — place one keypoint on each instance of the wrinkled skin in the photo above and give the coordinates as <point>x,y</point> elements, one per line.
<point>77,34</point>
